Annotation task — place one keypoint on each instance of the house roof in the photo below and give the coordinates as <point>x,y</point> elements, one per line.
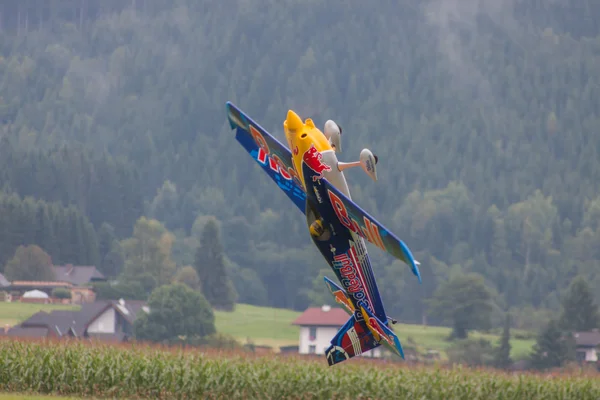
<point>133,307</point>
<point>322,316</point>
<point>49,284</point>
<point>18,331</point>
<point>587,339</point>
<point>77,274</point>
<point>59,321</point>
<point>62,321</point>
<point>128,309</point>
<point>3,281</point>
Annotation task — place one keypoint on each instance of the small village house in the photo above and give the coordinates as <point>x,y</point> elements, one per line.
<point>77,275</point>
<point>81,277</point>
<point>18,289</point>
<point>107,320</point>
<point>76,279</point>
<point>587,346</point>
<point>318,325</point>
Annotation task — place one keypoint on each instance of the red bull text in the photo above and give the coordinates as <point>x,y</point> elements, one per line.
<point>275,163</point>
<point>368,230</point>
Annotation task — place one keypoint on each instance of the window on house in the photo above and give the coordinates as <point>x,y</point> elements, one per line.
<point>312,335</point>
<point>312,349</point>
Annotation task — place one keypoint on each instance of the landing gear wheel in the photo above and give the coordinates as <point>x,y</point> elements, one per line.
<point>317,228</point>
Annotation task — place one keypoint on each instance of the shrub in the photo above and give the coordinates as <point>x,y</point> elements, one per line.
<point>61,293</point>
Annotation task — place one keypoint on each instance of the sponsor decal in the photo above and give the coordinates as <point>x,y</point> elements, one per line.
<point>265,157</point>
<point>352,280</point>
<point>369,165</point>
<point>318,195</point>
<point>367,230</point>
<point>313,159</point>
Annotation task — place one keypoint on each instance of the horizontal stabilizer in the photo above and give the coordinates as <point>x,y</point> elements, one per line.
<point>381,332</point>
<point>340,296</point>
<point>353,339</point>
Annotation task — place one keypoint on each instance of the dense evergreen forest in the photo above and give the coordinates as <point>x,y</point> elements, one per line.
<point>483,113</point>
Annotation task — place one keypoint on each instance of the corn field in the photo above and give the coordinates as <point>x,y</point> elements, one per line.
<point>136,371</point>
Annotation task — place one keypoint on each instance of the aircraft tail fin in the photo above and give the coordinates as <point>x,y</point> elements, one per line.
<point>340,296</point>
<point>353,339</point>
<point>381,333</point>
<point>361,333</point>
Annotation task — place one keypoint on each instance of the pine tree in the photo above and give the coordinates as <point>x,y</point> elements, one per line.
<point>210,266</point>
<point>502,353</point>
<point>552,348</point>
<point>111,261</point>
<point>44,235</point>
<point>579,312</point>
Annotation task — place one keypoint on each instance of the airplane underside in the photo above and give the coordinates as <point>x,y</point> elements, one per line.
<point>346,254</point>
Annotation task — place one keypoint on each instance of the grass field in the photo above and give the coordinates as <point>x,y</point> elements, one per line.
<point>262,325</point>
<point>137,371</point>
<point>272,327</point>
<point>13,313</point>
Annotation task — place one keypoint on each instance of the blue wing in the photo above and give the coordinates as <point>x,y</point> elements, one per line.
<point>360,222</point>
<point>274,158</point>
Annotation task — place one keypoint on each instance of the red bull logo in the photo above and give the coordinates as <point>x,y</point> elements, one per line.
<point>313,159</point>
<point>373,323</point>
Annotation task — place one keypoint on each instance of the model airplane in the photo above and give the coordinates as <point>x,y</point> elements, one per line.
<point>311,175</point>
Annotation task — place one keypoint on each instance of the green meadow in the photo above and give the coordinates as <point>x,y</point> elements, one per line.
<point>273,327</point>
<point>13,313</point>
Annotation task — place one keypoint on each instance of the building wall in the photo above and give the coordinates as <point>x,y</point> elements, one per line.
<point>82,295</point>
<point>324,334</point>
<point>591,355</point>
<point>322,341</point>
<point>105,323</point>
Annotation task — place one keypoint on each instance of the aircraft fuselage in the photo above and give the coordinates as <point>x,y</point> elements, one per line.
<point>309,145</point>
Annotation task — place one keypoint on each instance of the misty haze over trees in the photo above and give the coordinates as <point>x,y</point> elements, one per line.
<point>483,114</point>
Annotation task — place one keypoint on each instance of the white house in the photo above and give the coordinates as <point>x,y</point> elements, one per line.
<point>318,325</point>
<point>587,344</point>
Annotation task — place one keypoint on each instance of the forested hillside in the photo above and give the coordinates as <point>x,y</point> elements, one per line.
<point>484,116</point>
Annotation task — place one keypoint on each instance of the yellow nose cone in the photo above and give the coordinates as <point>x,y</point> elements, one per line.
<point>293,121</point>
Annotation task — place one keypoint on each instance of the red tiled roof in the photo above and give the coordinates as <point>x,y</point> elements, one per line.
<point>316,316</point>
<point>41,283</point>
